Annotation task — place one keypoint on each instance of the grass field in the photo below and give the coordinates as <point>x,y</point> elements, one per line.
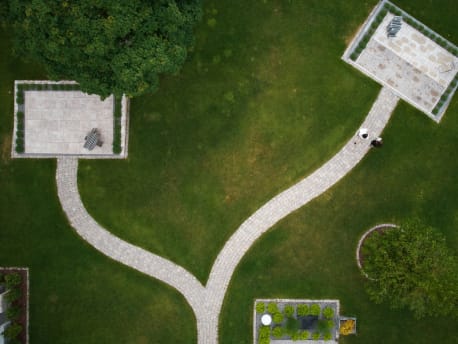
<point>263,100</point>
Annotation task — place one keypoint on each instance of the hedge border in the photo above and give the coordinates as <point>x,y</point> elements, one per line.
<point>117,115</point>
<point>389,7</point>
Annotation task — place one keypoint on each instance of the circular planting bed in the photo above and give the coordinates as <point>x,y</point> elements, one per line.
<point>359,257</point>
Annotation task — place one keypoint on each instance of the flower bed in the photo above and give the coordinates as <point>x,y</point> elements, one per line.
<point>297,320</point>
<point>15,283</point>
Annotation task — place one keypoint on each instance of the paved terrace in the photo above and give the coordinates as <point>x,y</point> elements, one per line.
<point>411,64</point>
<point>56,122</point>
<point>207,301</point>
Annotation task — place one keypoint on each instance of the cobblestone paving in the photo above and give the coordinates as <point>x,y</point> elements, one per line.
<point>207,301</point>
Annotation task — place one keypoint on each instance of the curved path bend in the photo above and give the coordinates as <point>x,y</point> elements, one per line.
<point>207,301</point>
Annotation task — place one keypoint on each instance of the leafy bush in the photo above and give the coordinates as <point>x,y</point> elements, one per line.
<point>327,336</point>
<point>20,115</point>
<point>13,312</point>
<point>303,310</point>
<point>324,326</point>
<point>13,295</point>
<point>19,126</point>
<point>19,148</point>
<point>304,335</point>
<point>272,308</point>
<point>315,309</point>
<point>260,307</point>
<point>328,312</point>
<point>277,332</point>
<point>278,318</point>
<point>292,326</point>
<point>12,280</point>
<point>316,335</point>
<point>12,331</point>
<point>288,310</point>
<point>264,335</point>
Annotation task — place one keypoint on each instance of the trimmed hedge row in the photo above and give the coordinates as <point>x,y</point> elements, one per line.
<point>48,87</point>
<point>409,20</point>
<point>446,95</point>
<point>117,125</point>
<point>19,132</point>
<point>367,36</point>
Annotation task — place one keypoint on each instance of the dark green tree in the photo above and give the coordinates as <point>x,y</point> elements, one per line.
<point>107,46</point>
<point>411,267</point>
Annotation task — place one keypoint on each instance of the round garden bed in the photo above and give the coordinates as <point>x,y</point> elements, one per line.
<point>359,257</point>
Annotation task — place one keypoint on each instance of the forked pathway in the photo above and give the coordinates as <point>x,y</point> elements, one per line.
<point>206,301</point>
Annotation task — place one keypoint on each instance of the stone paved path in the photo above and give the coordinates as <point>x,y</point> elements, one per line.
<point>207,301</point>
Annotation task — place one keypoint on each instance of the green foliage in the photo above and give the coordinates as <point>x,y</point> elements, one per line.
<point>324,326</point>
<point>260,307</point>
<point>412,268</point>
<point>264,335</point>
<point>328,312</point>
<point>277,332</point>
<point>12,280</point>
<point>303,309</point>
<point>13,294</point>
<point>304,335</point>
<point>13,312</point>
<point>288,311</point>
<point>117,149</point>
<point>292,325</point>
<point>272,308</point>
<point>316,335</point>
<point>315,309</point>
<point>12,331</point>
<point>278,318</point>
<point>107,46</point>
<point>327,336</point>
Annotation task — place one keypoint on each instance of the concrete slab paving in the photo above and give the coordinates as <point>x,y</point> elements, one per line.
<point>56,122</point>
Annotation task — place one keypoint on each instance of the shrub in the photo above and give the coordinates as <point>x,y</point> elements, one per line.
<point>328,312</point>
<point>316,335</point>
<point>354,56</point>
<point>12,331</point>
<point>303,310</point>
<point>435,111</point>
<point>277,332</point>
<point>264,335</point>
<point>292,326</point>
<point>20,115</point>
<point>117,107</point>
<point>20,125</point>
<point>315,309</point>
<point>272,308</point>
<point>288,310</point>
<point>19,148</point>
<point>278,318</point>
<point>13,312</point>
<point>327,336</point>
<point>20,134</point>
<point>13,295</point>
<point>13,279</point>
<point>304,335</point>
<point>324,326</point>
<point>20,98</point>
<point>260,307</point>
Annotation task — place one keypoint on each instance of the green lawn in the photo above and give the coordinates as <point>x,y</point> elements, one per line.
<point>263,100</point>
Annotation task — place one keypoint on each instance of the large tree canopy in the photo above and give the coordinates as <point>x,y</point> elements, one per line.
<point>108,46</point>
<point>412,267</point>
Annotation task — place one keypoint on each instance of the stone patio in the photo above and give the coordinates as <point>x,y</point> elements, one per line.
<point>56,123</point>
<point>414,66</point>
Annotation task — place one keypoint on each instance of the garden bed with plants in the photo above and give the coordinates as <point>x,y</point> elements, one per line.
<point>360,251</point>
<point>296,320</point>
<point>14,282</point>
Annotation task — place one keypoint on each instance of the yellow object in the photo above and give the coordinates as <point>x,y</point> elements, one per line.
<point>347,327</point>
